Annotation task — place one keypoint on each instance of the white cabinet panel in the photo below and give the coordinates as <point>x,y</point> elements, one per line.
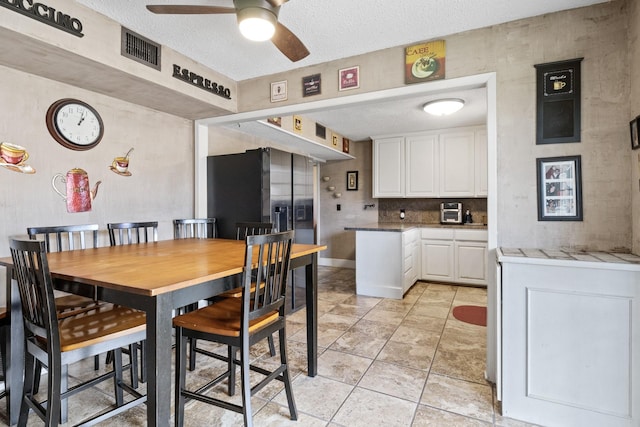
<point>437,260</point>
<point>471,262</point>
<point>388,167</point>
<point>457,164</point>
<point>481,157</point>
<point>422,166</point>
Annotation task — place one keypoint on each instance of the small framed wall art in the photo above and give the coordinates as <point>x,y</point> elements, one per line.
<point>559,188</point>
<point>424,62</point>
<point>633,127</point>
<point>279,91</point>
<point>311,85</point>
<point>352,181</point>
<point>345,145</point>
<point>349,78</point>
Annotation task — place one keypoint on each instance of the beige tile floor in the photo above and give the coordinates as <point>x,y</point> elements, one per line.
<point>382,362</point>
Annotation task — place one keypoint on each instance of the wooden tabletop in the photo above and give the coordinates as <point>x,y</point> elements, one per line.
<point>155,268</point>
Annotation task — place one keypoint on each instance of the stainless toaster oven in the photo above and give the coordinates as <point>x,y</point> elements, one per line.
<point>451,213</point>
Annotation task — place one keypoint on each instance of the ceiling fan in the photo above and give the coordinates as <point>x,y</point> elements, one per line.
<point>257,20</point>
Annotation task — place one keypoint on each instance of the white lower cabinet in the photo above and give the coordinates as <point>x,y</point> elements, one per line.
<point>454,255</point>
<point>570,345</point>
<point>387,262</point>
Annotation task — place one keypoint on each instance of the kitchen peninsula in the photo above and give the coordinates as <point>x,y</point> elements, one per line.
<point>570,342</point>
<point>391,257</point>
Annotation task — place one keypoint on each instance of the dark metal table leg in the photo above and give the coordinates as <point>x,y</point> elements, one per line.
<point>158,358</point>
<point>311,274</point>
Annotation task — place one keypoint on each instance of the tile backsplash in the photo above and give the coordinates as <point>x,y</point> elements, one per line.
<point>427,211</point>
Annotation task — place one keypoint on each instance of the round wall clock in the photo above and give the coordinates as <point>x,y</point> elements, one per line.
<point>74,124</point>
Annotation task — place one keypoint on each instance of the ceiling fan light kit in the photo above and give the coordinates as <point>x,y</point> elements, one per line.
<point>443,107</point>
<point>257,19</point>
<point>257,24</point>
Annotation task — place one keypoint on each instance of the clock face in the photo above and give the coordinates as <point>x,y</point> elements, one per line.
<point>74,124</point>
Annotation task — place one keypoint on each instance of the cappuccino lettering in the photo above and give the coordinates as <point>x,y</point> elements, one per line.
<point>45,14</point>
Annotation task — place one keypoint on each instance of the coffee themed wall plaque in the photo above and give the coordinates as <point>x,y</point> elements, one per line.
<point>558,102</point>
<point>424,62</point>
<point>14,158</point>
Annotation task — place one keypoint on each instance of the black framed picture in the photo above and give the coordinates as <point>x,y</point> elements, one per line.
<point>558,102</point>
<point>559,188</point>
<point>352,180</point>
<point>633,127</point>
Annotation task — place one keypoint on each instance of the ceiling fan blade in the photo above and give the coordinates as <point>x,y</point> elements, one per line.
<point>276,3</point>
<point>188,9</point>
<point>289,44</point>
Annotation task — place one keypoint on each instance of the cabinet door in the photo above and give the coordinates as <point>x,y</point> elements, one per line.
<point>421,154</point>
<point>457,164</point>
<point>482,175</point>
<point>437,260</point>
<point>388,167</point>
<point>471,262</point>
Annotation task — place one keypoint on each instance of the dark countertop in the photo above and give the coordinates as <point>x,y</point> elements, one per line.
<point>406,226</point>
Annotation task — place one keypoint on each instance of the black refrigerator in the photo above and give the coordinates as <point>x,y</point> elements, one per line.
<point>264,185</point>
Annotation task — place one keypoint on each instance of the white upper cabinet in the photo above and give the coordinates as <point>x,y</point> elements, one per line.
<point>421,166</point>
<point>388,164</point>
<point>457,164</point>
<point>445,163</point>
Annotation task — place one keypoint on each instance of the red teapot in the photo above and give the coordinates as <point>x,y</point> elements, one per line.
<point>78,194</point>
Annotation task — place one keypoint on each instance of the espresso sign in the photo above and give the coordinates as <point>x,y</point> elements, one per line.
<point>45,14</point>
<point>199,81</point>
<point>558,82</point>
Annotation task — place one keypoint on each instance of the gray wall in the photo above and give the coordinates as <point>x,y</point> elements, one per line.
<point>598,33</point>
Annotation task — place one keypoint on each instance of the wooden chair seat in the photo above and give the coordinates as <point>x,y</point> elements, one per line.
<point>222,318</point>
<point>74,302</point>
<point>101,323</point>
<point>237,292</point>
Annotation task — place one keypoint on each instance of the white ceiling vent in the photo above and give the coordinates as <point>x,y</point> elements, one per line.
<point>140,49</point>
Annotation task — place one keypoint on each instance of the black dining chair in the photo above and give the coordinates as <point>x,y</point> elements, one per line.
<point>128,233</point>
<point>58,238</point>
<point>58,341</point>
<point>243,229</point>
<point>198,228</point>
<point>239,323</point>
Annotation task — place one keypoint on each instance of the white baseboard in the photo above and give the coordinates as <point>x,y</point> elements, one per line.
<point>335,262</point>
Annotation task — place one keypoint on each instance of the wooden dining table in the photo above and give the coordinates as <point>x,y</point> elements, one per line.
<point>156,278</point>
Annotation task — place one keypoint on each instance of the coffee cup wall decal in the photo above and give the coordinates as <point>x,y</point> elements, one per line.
<point>13,157</point>
<point>120,164</point>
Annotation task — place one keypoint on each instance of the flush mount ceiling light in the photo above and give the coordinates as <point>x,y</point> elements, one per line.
<point>443,107</point>
<point>256,23</point>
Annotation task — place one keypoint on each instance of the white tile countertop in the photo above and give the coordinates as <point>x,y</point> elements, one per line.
<point>561,256</point>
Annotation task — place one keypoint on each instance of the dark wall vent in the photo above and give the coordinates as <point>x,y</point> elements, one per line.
<point>140,49</point>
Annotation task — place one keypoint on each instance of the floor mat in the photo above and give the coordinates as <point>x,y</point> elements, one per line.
<point>473,314</point>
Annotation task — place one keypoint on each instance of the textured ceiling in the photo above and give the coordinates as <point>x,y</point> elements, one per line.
<point>331,29</point>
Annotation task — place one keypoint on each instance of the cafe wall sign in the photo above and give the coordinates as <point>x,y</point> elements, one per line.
<point>424,62</point>
<point>201,82</point>
<point>45,14</point>
<point>558,102</point>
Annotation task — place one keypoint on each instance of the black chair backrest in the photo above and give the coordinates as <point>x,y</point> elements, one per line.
<point>36,290</point>
<point>269,254</point>
<point>244,229</point>
<point>66,237</point>
<point>127,233</point>
<point>198,228</point>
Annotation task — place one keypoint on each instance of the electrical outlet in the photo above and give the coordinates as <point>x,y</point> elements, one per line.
<point>401,213</point>
<point>338,207</point>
